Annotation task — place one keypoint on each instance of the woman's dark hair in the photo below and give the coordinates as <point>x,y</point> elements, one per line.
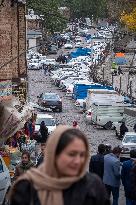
<point>27,154</point>
<point>67,137</point>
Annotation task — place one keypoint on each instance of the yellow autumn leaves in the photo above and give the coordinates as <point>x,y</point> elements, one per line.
<point>129,19</point>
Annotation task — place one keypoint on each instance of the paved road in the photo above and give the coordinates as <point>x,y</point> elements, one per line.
<point>39,83</point>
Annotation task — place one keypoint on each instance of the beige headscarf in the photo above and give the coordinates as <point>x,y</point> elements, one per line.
<point>45,178</point>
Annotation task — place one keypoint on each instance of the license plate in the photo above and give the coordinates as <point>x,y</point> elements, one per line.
<point>53,106</point>
<point>133,148</point>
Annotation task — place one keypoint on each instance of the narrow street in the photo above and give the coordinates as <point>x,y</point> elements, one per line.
<point>39,83</point>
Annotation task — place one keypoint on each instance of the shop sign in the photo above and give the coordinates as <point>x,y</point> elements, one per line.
<point>5,90</point>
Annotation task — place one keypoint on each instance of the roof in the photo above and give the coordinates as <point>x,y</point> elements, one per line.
<point>33,34</point>
<point>39,115</point>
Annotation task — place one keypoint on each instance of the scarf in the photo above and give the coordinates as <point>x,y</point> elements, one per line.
<point>45,178</point>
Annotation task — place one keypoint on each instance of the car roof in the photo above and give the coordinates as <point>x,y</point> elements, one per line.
<point>39,115</point>
<point>130,133</point>
<point>50,94</point>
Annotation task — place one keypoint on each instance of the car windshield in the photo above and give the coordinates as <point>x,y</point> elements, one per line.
<point>50,97</point>
<point>48,121</point>
<point>130,139</point>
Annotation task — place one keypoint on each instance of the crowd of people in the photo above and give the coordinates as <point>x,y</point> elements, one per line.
<point>60,174</point>
<point>109,168</point>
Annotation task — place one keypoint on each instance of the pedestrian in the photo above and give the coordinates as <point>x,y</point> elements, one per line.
<point>75,124</point>
<point>120,70</point>
<point>96,164</point>
<point>133,183</point>
<point>24,165</point>
<point>108,149</point>
<point>134,128</point>
<point>26,128</point>
<point>61,179</point>
<point>41,156</point>
<point>126,177</point>
<point>123,129</point>
<point>111,176</point>
<point>43,131</point>
<point>31,128</point>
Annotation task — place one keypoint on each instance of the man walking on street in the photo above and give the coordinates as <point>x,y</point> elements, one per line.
<point>96,164</point>
<point>126,177</point>
<point>111,177</point>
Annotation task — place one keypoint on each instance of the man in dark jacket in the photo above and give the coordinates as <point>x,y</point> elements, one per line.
<point>97,161</point>
<point>111,176</point>
<point>126,177</point>
<point>123,129</point>
<point>41,156</point>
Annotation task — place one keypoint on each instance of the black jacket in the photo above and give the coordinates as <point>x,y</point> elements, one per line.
<point>40,159</point>
<point>97,165</point>
<point>88,191</point>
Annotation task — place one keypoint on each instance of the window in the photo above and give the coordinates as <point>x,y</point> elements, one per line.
<point>1,166</point>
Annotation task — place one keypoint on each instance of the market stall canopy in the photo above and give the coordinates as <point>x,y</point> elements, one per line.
<point>120,60</point>
<point>120,55</point>
<point>12,118</point>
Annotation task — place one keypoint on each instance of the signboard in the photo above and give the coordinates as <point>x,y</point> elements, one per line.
<point>5,90</point>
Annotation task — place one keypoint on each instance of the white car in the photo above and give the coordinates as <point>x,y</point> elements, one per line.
<point>5,182</point>
<point>128,143</point>
<point>50,122</point>
<point>78,45</point>
<point>68,46</point>
<point>50,62</point>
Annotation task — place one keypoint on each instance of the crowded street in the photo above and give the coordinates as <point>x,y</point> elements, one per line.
<point>68,102</point>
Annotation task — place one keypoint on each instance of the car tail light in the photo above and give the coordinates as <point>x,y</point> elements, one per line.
<point>77,103</point>
<point>89,113</point>
<point>44,102</point>
<point>69,90</point>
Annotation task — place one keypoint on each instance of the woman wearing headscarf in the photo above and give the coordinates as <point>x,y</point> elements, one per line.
<point>61,179</point>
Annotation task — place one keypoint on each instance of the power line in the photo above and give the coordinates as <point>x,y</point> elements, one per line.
<point>5,64</point>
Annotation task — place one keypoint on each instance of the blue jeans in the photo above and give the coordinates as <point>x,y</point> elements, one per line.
<point>130,201</point>
<point>115,193</point>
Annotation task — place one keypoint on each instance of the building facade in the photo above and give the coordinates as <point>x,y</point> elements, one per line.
<point>13,67</point>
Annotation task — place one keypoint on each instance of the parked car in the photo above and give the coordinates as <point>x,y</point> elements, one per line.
<point>78,45</point>
<point>50,100</point>
<point>52,49</point>
<point>128,143</point>
<point>68,46</point>
<point>5,182</point>
<point>50,122</point>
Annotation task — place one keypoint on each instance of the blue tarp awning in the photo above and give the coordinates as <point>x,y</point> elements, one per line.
<point>120,60</point>
<point>80,52</point>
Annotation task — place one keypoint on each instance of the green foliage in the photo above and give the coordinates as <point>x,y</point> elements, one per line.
<point>86,8</point>
<point>53,20</point>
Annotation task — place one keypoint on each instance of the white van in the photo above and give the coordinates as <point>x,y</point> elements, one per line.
<point>107,115</point>
<point>5,182</point>
<point>102,95</point>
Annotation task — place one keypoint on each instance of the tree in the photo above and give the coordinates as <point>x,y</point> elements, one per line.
<point>53,20</point>
<point>116,7</point>
<point>86,8</point>
<point>129,19</point>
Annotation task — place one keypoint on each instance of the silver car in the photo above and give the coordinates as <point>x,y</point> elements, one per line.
<point>128,143</point>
